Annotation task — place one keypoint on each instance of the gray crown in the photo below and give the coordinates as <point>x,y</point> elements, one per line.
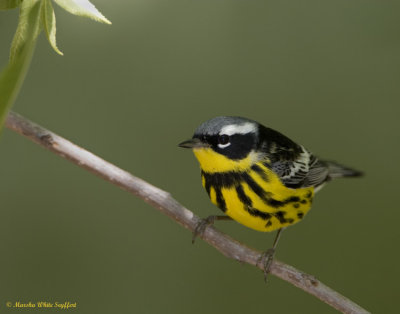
<point>214,126</point>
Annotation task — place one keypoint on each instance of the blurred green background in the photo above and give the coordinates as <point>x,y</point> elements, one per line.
<point>325,73</point>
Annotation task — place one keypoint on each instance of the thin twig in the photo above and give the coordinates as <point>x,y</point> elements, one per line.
<point>164,202</point>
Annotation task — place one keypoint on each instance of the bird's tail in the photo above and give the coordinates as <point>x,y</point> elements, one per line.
<point>337,171</point>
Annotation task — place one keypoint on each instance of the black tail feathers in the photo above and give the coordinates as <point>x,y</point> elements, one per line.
<point>337,171</point>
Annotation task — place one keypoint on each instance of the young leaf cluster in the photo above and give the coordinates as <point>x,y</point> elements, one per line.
<point>34,16</point>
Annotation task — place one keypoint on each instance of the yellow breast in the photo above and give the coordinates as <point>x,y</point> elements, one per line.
<point>251,193</point>
<point>210,161</point>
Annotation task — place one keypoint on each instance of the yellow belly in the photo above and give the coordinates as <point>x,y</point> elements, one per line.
<point>240,198</point>
<point>283,216</point>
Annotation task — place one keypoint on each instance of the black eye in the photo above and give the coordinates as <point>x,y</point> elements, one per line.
<point>223,139</point>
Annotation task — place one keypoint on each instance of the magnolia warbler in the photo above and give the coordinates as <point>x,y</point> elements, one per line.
<point>257,176</point>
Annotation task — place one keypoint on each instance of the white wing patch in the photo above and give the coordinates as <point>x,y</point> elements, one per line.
<point>244,128</point>
<point>300,166</point>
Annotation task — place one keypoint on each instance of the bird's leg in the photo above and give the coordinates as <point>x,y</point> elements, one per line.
<point>267,257</point>
<point>204,223</point>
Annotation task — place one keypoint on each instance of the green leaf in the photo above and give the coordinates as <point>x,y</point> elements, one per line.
<point>49,23</point>
<point>28,27</point>
<point>82,8</point>
<point>11,80</point>
<point>22,48</point>
<point>9,4</point>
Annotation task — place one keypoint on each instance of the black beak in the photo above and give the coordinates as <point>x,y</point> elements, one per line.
<point>193,143</point>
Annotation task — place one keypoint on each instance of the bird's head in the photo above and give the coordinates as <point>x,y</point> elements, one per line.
<point>225,144</point>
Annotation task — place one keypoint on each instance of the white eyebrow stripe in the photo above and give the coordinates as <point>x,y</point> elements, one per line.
<point>245,128</point>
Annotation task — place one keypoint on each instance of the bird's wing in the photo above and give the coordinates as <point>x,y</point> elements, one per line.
<point>295,166</point>
<point>301,170</point>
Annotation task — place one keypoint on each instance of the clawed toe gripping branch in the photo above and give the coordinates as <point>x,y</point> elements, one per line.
<point>204,223</point>
<point>163,201</point>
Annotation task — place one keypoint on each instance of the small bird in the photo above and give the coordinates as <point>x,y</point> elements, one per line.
<point>258,176</point>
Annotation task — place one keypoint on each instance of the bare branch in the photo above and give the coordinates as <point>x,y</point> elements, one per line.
<point>163,201</point>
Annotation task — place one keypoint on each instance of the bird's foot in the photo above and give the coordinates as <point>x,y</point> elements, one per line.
<point>202,225</point>
<point>266,258</point>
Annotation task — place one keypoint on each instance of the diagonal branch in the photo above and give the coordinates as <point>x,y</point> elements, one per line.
<point>165,203</point>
